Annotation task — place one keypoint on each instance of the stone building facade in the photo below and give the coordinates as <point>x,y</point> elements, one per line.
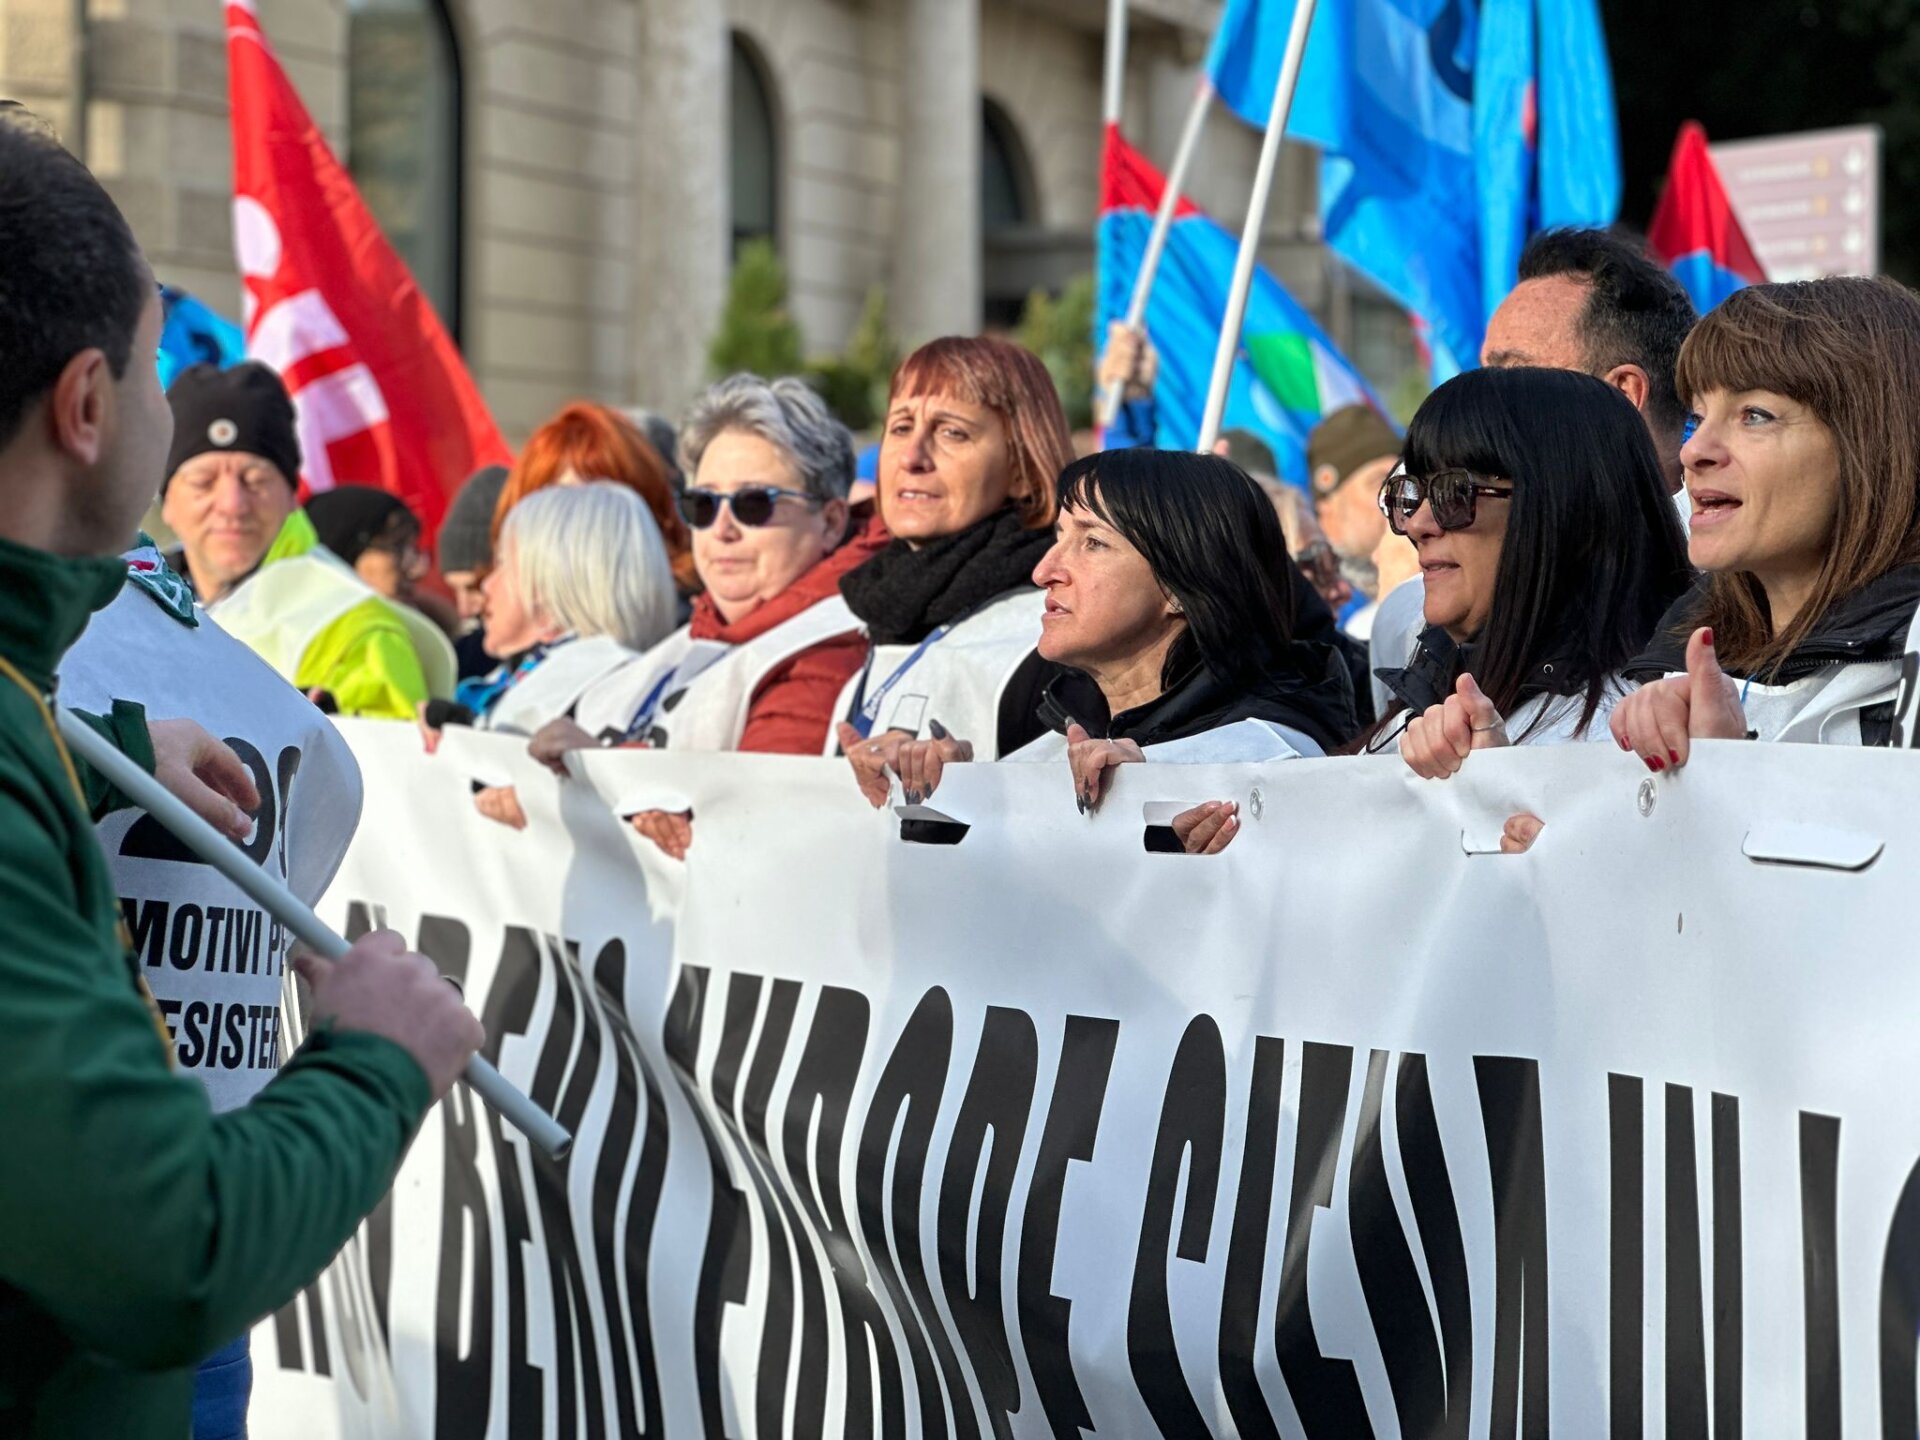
<point>570,177</point>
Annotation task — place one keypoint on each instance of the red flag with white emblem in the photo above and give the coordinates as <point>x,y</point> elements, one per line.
<point>383,396</point>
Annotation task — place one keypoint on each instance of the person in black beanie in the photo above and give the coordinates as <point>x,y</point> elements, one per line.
<point>257,564</point>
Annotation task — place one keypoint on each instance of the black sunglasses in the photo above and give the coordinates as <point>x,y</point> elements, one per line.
<point>1452,495</point>
<point>751,504</point>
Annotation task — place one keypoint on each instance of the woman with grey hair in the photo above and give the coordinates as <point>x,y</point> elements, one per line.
<point>582,585</point>
<point>771,644</point>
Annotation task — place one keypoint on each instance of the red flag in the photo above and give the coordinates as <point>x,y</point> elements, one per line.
<point>1694,230</point>
<point>383,396</point>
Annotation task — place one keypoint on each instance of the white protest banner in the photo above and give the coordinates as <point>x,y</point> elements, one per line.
<point>1360,1128</point>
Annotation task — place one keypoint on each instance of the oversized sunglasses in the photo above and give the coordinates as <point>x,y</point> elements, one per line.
<point>1452,495</point>
<point>751,504</point>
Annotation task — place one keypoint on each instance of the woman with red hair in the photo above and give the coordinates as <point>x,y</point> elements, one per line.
<point>584,442</point>
<point>975,437</point>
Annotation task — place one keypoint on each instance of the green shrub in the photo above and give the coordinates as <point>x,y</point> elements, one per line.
<point>1060,331</point>
<point>756,333</point>
<point>854,384</point>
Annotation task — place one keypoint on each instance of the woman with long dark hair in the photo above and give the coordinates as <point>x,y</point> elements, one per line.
<point>1549,549</point>
<point>1172,624</point>
<point>1803,470</point>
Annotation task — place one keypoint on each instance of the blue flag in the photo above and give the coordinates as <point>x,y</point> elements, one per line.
<point>194,334</point>
<point>1451,131</point>
<point>1288,375</point>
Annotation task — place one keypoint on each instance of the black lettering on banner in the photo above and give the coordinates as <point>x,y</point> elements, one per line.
<point>1247,1247</point>
<point>1626,1257</point>
<point>1516,1154</point>
<point>170,1012</point>
<point>562,1080</point>
<point>284,772</point>
<point>1389,1278</point>
<point>994,1110</point>
<point>234,1050</point>
<point>147,923</point>
<point>193,1045</point>
<point>1900,1315</point>
<point>148,839</point>
<point>1729,1301</point>
<point>624,1267</point>
<point>300,1333</point>
<point>509,1010</point>
<point>266,821</point>
<point>776,1333</point>
<point>1072,1124</point>
<point>1686,1377</point>
<point>1193,1121</point>
<point>216,931</point>
<point>1436,1213</point>
<point>823,1090</point>
<point>783,1220</point>
<point>724,1267</point>
<point>1325,1391</point>
<point>906,1102</point>
<point>183,945</point>
<point>1820,1261</point>
<point>462,1383</point>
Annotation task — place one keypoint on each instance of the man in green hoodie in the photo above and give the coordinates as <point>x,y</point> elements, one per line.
<point>139,1231</point>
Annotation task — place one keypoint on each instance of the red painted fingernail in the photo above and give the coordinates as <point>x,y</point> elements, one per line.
<point>1708,637</point>
<point>1673,757</point>
<point>1626,743</point>
<point>1655,764</point>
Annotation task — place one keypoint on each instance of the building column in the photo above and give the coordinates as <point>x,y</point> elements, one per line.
<point>936,257</point>
<point>42,64</point>
<point>681,227</point>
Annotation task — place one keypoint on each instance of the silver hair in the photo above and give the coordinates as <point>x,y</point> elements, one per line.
<point>785,413</point>
<point>590,557</point>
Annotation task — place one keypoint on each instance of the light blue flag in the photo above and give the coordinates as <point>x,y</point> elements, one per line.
<point>1451,131</point>
<point>193,334</point>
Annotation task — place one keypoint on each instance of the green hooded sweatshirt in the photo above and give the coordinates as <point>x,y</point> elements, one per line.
<point>139,1232</point>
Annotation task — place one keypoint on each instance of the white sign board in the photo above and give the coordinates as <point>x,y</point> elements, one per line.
<point>1360,1128</point>
<point>1810,203</point>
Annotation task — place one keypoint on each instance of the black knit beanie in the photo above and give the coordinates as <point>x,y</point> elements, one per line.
<point>242,409</point>
<point>349,518</point>
<point>466,534</point>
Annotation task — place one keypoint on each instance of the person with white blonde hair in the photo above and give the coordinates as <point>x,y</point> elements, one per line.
<point>580,586</point>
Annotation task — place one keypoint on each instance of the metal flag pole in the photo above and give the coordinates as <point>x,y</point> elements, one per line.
<point>286,907</point>
<point>1236,315</point>
<point>1113,88</point>
<point>1189,146</point>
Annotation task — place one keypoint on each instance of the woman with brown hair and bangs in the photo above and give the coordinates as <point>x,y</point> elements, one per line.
<point>974,438</point>
<point>1803,473</point>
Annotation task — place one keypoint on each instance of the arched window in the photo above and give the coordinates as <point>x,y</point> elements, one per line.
<point>755,149</point>
<point>403,136</point>
<point>1014,257</point>
<point>1006,176</point>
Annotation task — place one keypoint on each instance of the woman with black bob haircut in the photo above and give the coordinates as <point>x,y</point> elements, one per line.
<point>1549,549</point>
<point>1170,626</point>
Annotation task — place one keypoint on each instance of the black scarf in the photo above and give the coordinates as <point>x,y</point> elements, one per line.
<point>1312,694</point>
<point>905,594</point>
